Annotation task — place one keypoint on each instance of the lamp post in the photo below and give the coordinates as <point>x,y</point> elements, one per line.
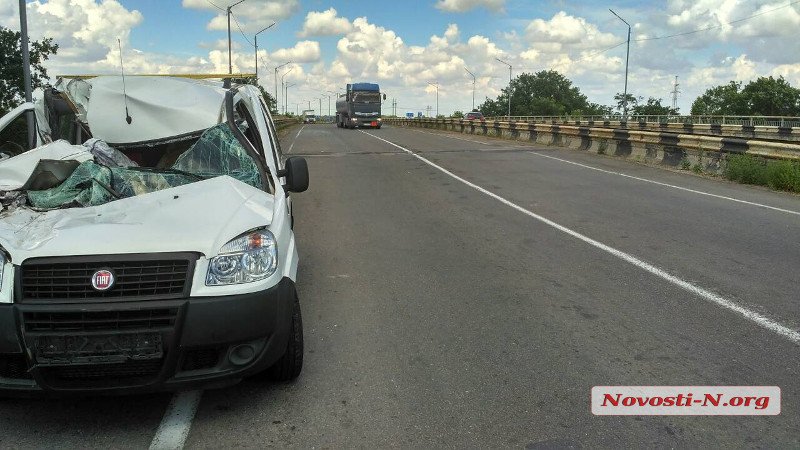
<point>329,104</point>
<point>282,84</point>
<point>276,82</point>
<point>473,87</point>
<point>286,96</point>
<point>627,55</point>
<point>255,42</point>
<point>26,72</point>
<point>230,58</point>
<point>436,85</point>
<point>509,85</point>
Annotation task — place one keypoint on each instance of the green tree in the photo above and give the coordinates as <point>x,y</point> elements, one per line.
<point>545,93</point>
<point>633,102</point>
<point>768,96</point>
<point>721,100</point>
<point>12,83</point>
<point>457,115</point>
<point>653,107</point>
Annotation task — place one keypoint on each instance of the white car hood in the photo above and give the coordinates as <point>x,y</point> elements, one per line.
<point>196,217</point>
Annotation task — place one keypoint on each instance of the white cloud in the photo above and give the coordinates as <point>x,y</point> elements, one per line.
<point>325,23</point>
<point>252,15</point>
<point>302,52</point>
<point>460,6</point>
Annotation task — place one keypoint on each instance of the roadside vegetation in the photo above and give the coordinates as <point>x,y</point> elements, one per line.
<point>779,175</point>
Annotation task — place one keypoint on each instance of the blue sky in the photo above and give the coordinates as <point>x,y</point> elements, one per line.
<point>406,45</point>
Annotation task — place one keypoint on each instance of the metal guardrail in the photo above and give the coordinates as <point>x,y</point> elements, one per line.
<point>774,121</point>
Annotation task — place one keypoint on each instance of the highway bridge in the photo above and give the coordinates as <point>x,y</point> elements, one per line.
<point>461,291</point>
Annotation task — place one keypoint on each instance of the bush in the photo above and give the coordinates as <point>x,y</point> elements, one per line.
<point>746,169</point>
<point>782,175</point>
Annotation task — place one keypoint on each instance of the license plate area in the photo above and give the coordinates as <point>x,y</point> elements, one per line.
<point>56,350</point>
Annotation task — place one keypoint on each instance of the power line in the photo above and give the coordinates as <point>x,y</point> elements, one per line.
<point>215,6</point>
<point>699,30</point>
<point>240,30</point>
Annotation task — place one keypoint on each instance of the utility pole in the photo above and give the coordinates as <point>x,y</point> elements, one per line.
<point>230,60</point>
<point>509,85</point>
<point>394,107</point>
<point>473,87</point>
<point>320,106</point>
<point>436,85</point>
<point>675,93</point>
<point>627,55</point>
<point>26,72</point>
<point>428,110</point>
<point>255,42</point>
<point>329,104</point>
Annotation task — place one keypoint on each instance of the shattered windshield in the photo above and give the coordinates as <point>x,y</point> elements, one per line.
<point>111,175</point>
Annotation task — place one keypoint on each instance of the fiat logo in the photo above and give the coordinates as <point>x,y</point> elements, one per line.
<point>103,280</point>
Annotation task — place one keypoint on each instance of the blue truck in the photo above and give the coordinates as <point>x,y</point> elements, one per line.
<point>360,106</point>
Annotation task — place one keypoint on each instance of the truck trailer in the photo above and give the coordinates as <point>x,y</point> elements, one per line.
<point>360,106</point>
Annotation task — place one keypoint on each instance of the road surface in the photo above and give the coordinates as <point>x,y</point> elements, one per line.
<point>463,291</point>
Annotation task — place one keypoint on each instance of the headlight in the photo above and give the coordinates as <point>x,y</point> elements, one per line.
<point>354,119</point>
<point>379,119</point>
<point>248,258</point>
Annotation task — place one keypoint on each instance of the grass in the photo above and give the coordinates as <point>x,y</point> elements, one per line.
<point>780,175</point>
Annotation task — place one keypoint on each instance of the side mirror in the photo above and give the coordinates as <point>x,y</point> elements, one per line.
<point>296,173</point>
<point>384,96</point>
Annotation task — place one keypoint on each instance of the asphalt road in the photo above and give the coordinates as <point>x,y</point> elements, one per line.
<point>437,315</point>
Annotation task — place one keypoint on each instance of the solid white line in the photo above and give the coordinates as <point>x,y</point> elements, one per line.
<point>295,139</point>
<point>177,421</point>
<point>763,321</point>
<point>788,211</point>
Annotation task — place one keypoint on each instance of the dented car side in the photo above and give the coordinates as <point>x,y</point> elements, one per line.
<point>158,254</point>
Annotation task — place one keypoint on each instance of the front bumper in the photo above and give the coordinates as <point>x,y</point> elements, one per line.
<point>204,341</point>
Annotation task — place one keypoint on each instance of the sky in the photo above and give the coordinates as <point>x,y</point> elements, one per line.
<point>410,46</point>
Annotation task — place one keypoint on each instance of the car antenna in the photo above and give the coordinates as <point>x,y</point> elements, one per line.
<point>124,91</point>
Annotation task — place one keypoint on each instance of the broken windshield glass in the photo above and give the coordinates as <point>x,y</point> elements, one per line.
<point>112,175</point>
<point>218,152</point>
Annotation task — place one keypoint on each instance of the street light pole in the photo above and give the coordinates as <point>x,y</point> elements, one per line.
<point>26,72</point>
<point>282,84</point>
<point>286,96</point>
<point>276,84</point>
<point>509,85</point>
<point>329,104</point>
<point>230,58</point>
<point>436,85</point>
<point>473,87</point>
<point>255,44</point>
<point>627,55</point>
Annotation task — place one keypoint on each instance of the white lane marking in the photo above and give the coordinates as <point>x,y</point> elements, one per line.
<point>295,139</point>
<point>788,211</point>
<point>759,319</point>
<point>177,421</point>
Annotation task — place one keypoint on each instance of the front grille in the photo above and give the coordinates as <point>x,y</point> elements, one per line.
<point>115,374</point>
<point>139,319</point>
<point>14,366</point>
<point>201,358</point>
<point>135,278</point>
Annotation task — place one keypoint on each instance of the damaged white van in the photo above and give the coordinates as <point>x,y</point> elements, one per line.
<point>146,239</point>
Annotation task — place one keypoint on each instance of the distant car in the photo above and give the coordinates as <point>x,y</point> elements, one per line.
<point>475,115</point>
<point>310,119</point>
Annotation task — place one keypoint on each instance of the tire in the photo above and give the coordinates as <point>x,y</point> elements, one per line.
<point>378,127</point>
<point>289,366</point>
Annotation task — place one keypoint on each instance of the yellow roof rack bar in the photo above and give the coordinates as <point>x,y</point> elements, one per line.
<point>194,76</point>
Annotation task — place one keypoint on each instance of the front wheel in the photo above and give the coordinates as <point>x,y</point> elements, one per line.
<point>289,366</point>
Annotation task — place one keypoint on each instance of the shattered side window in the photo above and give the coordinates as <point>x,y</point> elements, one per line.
<point>218,152</point>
